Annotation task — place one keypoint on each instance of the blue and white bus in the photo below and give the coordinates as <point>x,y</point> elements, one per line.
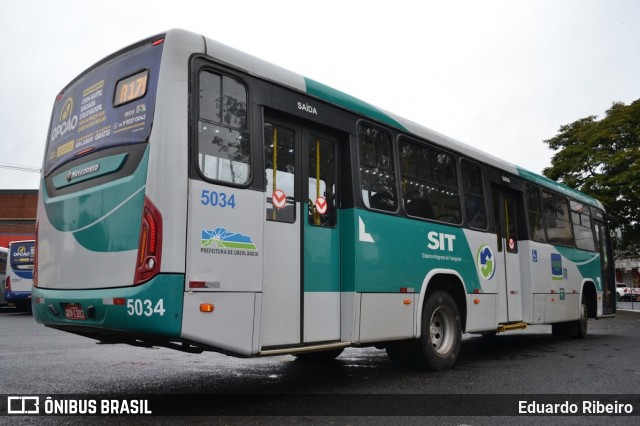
<point>4,253</point>
<point>199,198</point>
<point>19,279</point>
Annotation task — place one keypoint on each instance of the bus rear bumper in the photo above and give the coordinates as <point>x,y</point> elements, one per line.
<point>151,309</point>
<point>17,296</point>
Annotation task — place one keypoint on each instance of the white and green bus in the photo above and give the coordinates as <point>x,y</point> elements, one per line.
<point>198,198</point>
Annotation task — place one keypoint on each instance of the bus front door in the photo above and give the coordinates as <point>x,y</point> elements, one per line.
<point>607,270</point>
<point>507,261</point>
<point>301,285</point>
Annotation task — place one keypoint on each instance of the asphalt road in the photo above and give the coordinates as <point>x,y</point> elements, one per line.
<point>38,360</point>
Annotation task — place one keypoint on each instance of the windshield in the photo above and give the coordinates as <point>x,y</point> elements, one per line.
<point>110,105</point>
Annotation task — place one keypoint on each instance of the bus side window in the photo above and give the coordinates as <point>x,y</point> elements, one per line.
<point>534,209</point>
<point>556,210</point>
<point>474,203</point>
<point>223,140</point>
<point>429,183</point>
<point>581,218</point>
<point>377,174</point>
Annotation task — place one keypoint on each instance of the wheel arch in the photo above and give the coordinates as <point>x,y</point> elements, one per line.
<point>447,280</point>
<point>589,297</point>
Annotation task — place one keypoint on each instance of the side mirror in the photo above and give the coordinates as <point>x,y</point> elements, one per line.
<point>618,233</point>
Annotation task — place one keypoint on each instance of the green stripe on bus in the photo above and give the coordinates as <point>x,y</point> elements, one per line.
<point>321,257</point>
<point>349,102</point>
<point>558,187</point>
<point>381,248</point>
<point>153,308</point>
<point>105,218</point>
<point>588,264</point>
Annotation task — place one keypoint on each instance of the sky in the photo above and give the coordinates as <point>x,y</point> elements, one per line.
<point>500,75</point>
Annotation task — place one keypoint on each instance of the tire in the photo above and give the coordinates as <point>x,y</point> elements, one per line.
<point>441,331</point>
<point>406,354</point>
<point>583,322</point>
<point>320,356</point>
<point>573,329</point>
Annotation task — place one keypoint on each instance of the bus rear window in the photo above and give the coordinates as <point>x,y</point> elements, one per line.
<point>111,104</point>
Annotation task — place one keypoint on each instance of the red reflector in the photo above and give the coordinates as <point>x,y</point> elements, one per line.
<point>59,96</point>
<point>158,42</point>
<point>119,300</point>
<point>197,284</point>
<point>403,289</point>
<point>476,291</point>
<point>553,291</point>
<point>150,245</point>
<point>83,152</point>
<point>153,233</point>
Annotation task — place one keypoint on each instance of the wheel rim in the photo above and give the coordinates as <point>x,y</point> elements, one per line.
<point>441,328</point>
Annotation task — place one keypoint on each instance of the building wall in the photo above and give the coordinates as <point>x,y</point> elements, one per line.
<point>17,215</point>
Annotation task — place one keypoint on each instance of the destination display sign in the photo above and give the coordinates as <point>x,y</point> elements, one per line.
<point>110,105</point>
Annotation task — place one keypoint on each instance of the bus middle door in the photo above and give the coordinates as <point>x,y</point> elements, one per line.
<point>508,262</point>
<point>301,286</point>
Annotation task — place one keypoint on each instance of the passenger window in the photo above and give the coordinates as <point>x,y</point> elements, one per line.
<point>429,183</point>
<point>223,139</point>
<point>475,209</point>
<point>581,218</point>
<point>534,208</point>
<point>377,174</point>
<point>556,211</point>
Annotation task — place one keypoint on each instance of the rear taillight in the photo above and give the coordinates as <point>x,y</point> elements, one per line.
<point>150,244</point>
<point>8,287</point>
<point>35,258</point>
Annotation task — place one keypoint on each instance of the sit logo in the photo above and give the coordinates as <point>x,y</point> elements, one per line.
<point>438,241</point>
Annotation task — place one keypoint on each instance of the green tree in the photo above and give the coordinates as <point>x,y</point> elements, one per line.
<point>602,159</point>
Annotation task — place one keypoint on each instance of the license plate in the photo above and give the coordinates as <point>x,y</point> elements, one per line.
<point>73,311</point>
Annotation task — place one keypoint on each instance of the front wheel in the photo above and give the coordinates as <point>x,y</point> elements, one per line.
<point>573,329</point>
<point>441,331</point>
<point>583,322</point>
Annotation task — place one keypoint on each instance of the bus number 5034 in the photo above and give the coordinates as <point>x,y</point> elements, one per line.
<point>139,307</point>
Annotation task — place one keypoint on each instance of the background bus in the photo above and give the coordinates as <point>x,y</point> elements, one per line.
<point>20,274</point>
<point>3,273</point>
<point>199,198</point>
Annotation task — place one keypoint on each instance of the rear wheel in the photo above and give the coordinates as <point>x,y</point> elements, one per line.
<point>441,334</point>
<point>441,331</point>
